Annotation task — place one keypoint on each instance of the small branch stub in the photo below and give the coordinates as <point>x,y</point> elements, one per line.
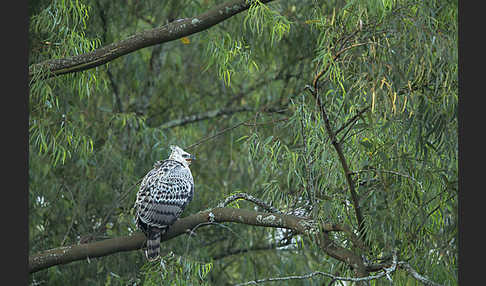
<point>211,217</point>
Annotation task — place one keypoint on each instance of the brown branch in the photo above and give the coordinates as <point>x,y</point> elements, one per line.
<point>336,144</point>
<point>299,225</point>
<point>342,254</point>
<point>64,255</point>
<point>334,58</point>
<point>172,31</point>
<point>347,172</point>
<point>385,273</point>
<point>352,120</point>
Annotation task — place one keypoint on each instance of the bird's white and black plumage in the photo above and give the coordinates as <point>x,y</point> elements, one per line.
<point>164,193</point>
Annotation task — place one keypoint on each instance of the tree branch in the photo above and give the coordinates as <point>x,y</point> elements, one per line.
<point>337,146</point>
<point>249,198</point>
<point>351,121</point>
<point>172,31</point>
<point>386,273</point>
<point>216,134</point>
<point>314,90</point>
<point>342,254</point>
<point>310,275</point>
<point>203,116</point>
<point>271,246</point>
<point>426,281</point>
<point>64,255</point>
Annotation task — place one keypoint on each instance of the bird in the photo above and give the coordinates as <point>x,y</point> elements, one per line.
<point>163,194</point>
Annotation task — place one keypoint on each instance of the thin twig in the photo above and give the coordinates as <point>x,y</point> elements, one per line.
<point>249,198</point>
<point>426,281</point>
<point>72,220</point>
<point>272,246</point>
<point>266,122</point>
<point>391,172</point>
<point>350,121</point>
<point>215,135</point>
<point>246,123</point>
<point>334,58</point>
<point>205,115</point>
<point>316,273</point>
<point>386,273</point>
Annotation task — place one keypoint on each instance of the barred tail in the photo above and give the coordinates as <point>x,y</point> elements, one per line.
<point>153,246</point>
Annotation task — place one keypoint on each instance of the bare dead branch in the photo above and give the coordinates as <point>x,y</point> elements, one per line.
<point>426,281</point>
<point>385,274</point>
<point>316,273</point>
<point>266,206</point>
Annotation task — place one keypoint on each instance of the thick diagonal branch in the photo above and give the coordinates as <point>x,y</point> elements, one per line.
<point>172,31</point>
<point>347,172</point>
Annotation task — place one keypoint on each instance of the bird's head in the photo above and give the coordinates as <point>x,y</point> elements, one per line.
<point>177,154</point>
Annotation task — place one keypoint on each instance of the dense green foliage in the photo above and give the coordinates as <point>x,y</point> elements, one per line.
<point>95,134</point>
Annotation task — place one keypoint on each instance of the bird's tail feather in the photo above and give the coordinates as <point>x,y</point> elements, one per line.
<point>153,246</point>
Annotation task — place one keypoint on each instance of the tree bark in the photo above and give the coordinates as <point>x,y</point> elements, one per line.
<point>64,255</point>
<point>172,31</point>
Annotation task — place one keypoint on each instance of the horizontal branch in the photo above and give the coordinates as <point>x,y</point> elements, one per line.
<point>272,246</point>
<point>299,225</point>
<point>172,31</point>
<point>250,198</point>
<point>316,273</point>
<point>215,113</point>
<point>64,255</point>
<point>385,274</point>
<point>242,123</point>
<point>203,116</point>
<point>327,226</point>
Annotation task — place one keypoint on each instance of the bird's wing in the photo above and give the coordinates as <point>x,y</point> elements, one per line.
<point>163,194</point>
